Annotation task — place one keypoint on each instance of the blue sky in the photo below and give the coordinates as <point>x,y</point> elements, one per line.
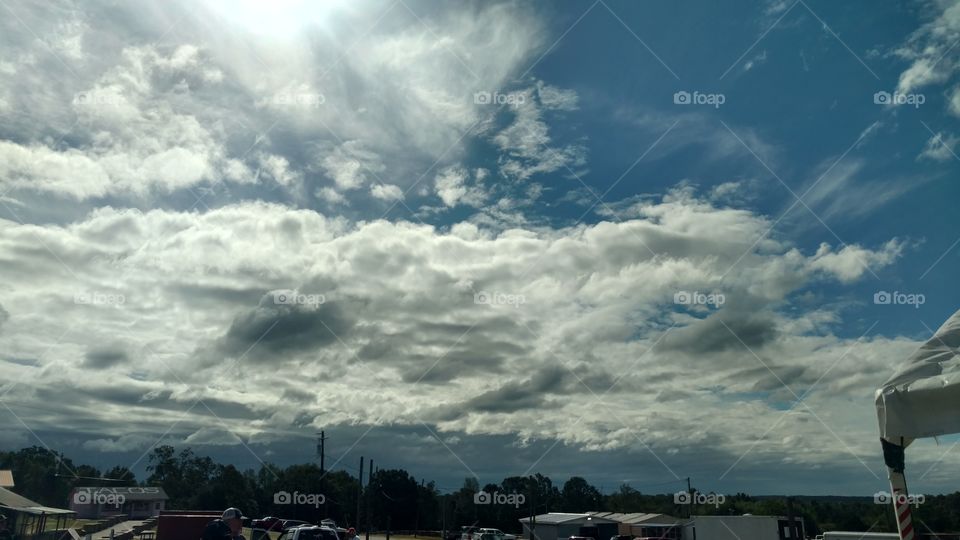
<point>472,231</point>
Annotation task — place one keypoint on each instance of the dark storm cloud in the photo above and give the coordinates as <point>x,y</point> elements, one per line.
<point>32,362</point>
<point>454,364</point>
<point>721,331</point>
<point>771,377</point>
<point>78,402</point>
<point>105,356</point>
<point>517,395</point>
<point>433,352</point>
<point>283,328</point>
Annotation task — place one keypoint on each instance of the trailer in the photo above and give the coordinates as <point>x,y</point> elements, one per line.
<point>743,527</point>
<point>922,399</point>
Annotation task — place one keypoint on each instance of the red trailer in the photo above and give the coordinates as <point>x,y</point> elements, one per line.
<point>183,524</point>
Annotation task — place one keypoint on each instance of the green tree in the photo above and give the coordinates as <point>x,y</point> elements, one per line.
<point>125,475</point>
<point>578,495</point>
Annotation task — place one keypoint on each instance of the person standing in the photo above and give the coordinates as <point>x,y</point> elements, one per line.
<point>228,527</point>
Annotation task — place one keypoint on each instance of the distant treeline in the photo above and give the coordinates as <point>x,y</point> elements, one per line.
<point>396,500</point>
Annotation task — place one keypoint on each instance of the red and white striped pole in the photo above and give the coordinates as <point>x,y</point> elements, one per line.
<point>893,457</point>
<point>901,504</point>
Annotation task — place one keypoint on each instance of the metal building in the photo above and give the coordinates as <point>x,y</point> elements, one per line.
<point>561,525</point>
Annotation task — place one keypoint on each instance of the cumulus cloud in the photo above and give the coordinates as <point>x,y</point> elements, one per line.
<point>424,318</point>
<point>387,192</point>
<point>170,186</point>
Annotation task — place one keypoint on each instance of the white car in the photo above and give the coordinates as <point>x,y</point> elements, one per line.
<point>495,534</point>
<point>309,532</point>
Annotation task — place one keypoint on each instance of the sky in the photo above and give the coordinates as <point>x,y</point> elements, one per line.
<point>610,239</point>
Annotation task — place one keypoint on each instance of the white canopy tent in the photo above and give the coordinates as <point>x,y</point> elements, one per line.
<point>921,400</point>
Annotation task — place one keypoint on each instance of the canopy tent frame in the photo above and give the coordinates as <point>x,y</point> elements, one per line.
<point>922,399</point>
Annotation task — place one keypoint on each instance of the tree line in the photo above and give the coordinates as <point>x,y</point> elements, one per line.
<point>393,499</point>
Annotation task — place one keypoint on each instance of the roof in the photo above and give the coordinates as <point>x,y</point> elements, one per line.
<point>129,493</point>
<point>742,516</point>
<point>564,517</point>
<point>6,479</point>
<point>19,503</point>
<point>637,518</point>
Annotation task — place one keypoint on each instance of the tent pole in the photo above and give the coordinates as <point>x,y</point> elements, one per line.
<point>901,504</point>
<point>894,458</point>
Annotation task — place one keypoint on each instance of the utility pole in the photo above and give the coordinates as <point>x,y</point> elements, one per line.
<point>321,453</point>
<point>416,526</point>
<point>321,450</point>
<point>367,499</point>
<point>689,499</point>
<point>359,492</point>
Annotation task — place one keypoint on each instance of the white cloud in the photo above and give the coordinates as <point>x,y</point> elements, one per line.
<point>224,105</point>
<point>940,147</point>
<point>552,97</point>
<point>851,262</point>
<point>331,195</point>
<point>212,436</point>
<point>452,188</point>
<point>278,169</point>
<point>351,166</point>
<point>526,143</point>
<point>387,192</point>
<point>931,50</point>
<point>835,191</point>
<point>397,295</point>
<point>124,443</point>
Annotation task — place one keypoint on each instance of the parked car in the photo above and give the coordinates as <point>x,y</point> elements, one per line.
<point>309,532</point>
<point>291,523</point>
<point>268,523</point>
<point>494,534</point>
<point>467,532</point>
